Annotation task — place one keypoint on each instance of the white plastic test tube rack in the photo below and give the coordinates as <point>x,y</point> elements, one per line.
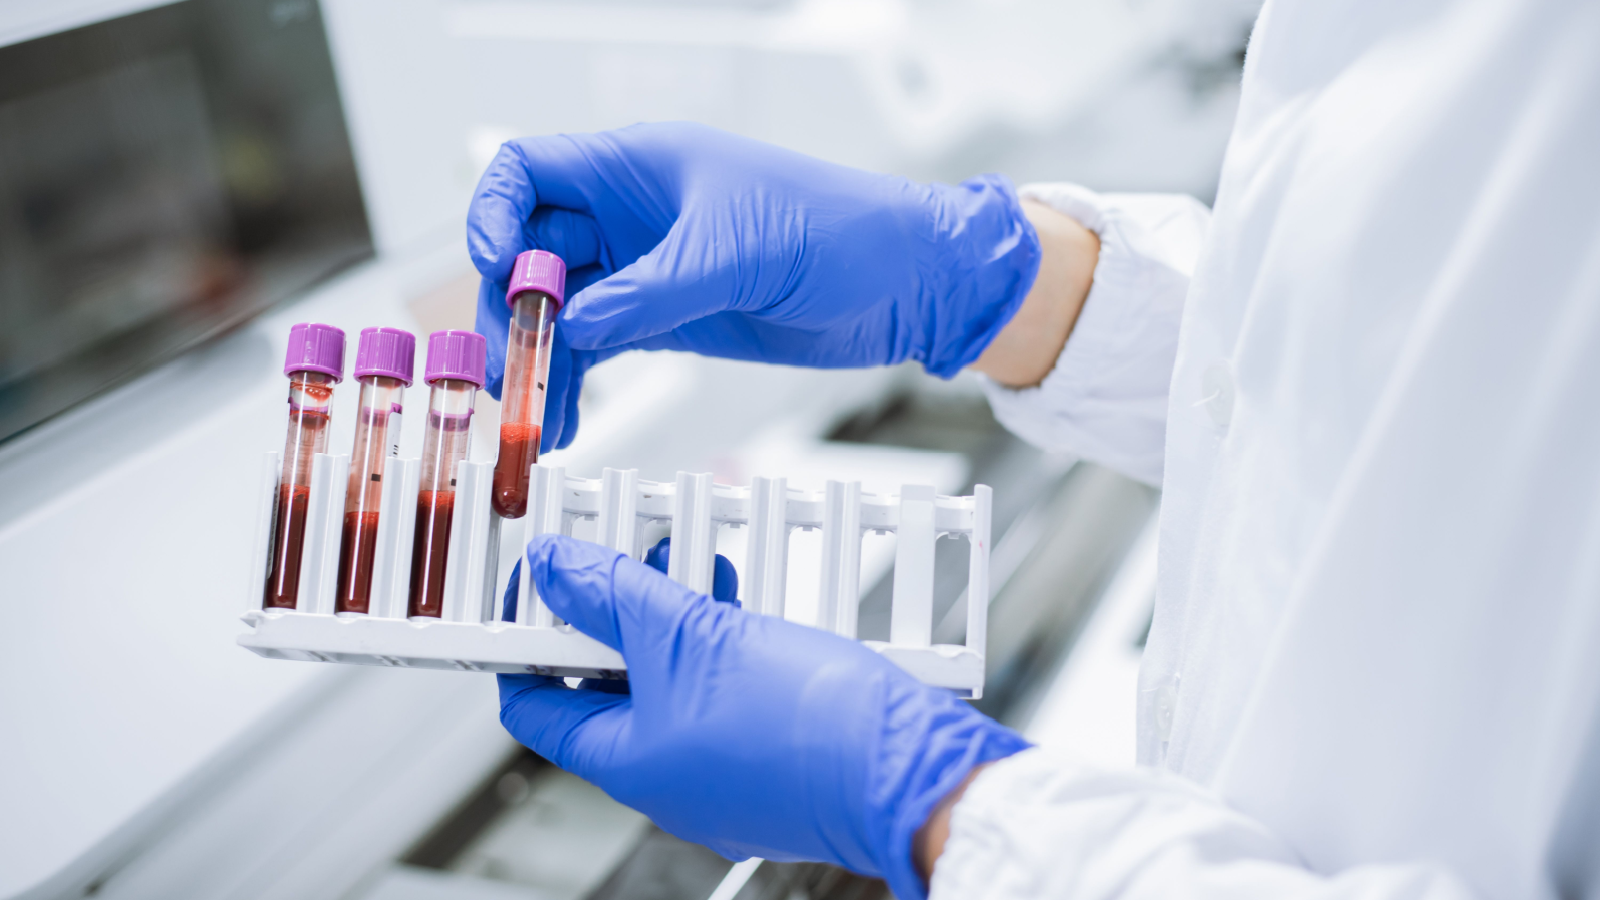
<point>469,636</point>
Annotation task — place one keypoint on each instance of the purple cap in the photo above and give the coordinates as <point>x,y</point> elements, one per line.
<point>536,270</point>
<point>455,354</point>
<point>386,351</point>
<point>314,347</point>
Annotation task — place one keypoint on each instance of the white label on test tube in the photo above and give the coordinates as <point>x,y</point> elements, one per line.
<point>395,417</point>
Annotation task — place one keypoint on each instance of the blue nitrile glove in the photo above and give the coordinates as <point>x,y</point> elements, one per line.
<point>746,733</point>
<point>724,589</point>
<point>680,236</point>
<point>724,578</point>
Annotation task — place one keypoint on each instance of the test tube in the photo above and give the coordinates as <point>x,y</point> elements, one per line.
<point>315,363</point>
<point>385,361</point>
<point>454,373</point>
<point>538,283</point>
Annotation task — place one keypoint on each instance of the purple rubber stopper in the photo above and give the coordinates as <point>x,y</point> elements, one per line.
<point>537,270</point>
<point>315,347</point>
<point>386,351</point>
<point>455,354</point>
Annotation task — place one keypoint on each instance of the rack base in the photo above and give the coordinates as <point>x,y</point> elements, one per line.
<point>509,648</point>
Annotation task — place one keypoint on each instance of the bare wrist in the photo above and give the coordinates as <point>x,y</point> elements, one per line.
<point>1025,351</point>
<point>927,845</point>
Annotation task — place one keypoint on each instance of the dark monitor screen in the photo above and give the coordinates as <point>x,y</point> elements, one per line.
<point>164,176</point>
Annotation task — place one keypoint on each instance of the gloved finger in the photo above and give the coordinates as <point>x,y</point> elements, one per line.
<point>724,581</point>
<point>581,277</point>
<point>844,344</point>
<point>673,284</point>
<point>724,577</point>
<point>573,236</point>
<point>565,378</point>
<point>619,602</point>
<point>575,729</point>
<point>523,175</point>
<point>494,323</point>
<point>565,383</point>
<point>567,369</point>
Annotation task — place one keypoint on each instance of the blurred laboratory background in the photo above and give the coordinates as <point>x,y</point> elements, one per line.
<point>181,181</point>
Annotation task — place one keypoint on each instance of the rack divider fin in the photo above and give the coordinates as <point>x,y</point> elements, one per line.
<point>449,603</point>
<point>482,545</point>
<point>397,527</point>
<point>767,547</point>
<point>266,521</point>
<point>849,542</point>
<point>619,504</point>
<point>978,570</point>
<point>469,527</point>
<point>546,487</point>
<point>488,552</point>
<point>319,555</point>
<point>332,533</point>
<point>911,613</point>
<point>693,538</point>
<point>828,584</point>
<point>305,599</point>
<point>384,550</point>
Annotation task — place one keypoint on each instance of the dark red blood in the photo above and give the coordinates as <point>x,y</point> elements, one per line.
<point>356,551</point>
<point>519,449</point>
<point>288,542</point>
<point>435,509</point>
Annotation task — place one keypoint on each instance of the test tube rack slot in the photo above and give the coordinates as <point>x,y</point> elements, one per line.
<point>470,636</point>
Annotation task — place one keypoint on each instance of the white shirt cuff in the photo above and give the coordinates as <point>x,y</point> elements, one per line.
<point>1040,825</point>
<point>1106,398</point>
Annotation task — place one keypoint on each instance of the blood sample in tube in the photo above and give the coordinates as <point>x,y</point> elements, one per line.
<point>385,361</point>
<point>538,284</point>
<point>454,375</point>
<point>315,363</point>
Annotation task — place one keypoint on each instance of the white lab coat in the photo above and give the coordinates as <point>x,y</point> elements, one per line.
<point>1374,669</point>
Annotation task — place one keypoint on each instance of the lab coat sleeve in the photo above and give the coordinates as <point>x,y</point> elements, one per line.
<point>1037,825</point>
<point>1106,398</point>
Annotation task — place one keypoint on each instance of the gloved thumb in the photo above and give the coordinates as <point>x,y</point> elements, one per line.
<point>679,281</point>
<point>618,601</point>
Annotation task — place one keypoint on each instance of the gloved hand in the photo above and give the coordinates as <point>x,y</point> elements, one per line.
<point>745,733</point>
<point>724,578</point>
<point>679,236</point>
